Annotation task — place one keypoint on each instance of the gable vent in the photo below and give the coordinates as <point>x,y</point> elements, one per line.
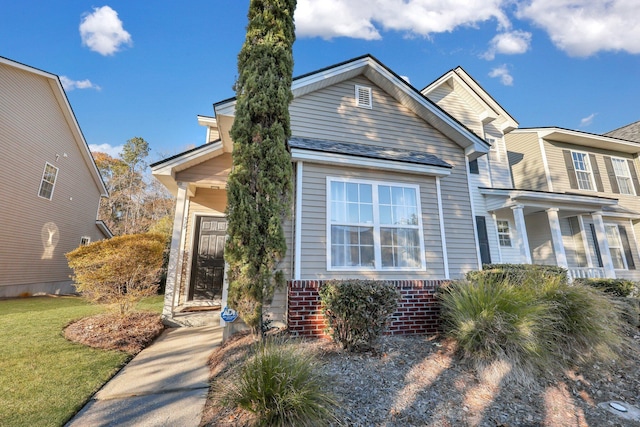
<point>363,97</point>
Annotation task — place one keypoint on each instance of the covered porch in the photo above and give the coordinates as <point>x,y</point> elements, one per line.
<point>590,236</point>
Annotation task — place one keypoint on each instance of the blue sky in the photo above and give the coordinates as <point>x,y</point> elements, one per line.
<point>147,69</point>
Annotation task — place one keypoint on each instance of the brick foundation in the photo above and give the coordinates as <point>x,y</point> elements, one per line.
<point>417,313</point>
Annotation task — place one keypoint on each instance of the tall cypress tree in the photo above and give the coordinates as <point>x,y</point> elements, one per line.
<point>259,187</point>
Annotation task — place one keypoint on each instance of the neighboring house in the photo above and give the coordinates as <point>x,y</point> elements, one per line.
<point>539,196</point>
<point>582,203</point>
<point>50,188</point>
<point>381,189</point>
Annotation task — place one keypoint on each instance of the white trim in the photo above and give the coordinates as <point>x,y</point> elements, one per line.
<point>473,217</point>
<point>375,225</point>
<point>629,177</point>
<point>585,242</point>
<point>587,163</point>
<point>369,163</point>
<point>545,163</point>
<point>176,251</point>
<point>298,223</point>
<point>603,243</point>
<point>53,184</point>
<point>445,255</point>
<point>508,233</point>
<point>495,226</point>
<point>635,240</point>
<point>521,226</point>
<point>556,237</point>
<point>619,246</point>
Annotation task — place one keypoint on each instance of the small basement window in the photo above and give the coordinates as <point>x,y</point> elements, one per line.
<point>363,97</point>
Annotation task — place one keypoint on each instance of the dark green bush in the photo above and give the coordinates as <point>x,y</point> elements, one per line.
<point>517,273</point>
<point>281,386</point>
<point>615,287</point>
<point>358,311</point>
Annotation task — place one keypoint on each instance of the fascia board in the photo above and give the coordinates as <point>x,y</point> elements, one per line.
<point>369,163</point>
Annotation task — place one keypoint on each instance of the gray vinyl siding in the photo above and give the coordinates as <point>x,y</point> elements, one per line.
<point>525,160</point>
<point>314,224</point>
<point>35,131</point>
<point>331,114</point>
<point>539,235</point>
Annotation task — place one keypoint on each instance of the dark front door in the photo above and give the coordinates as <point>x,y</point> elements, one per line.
<point>207,270</point>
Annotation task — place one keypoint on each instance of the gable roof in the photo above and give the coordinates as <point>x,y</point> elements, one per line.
<point>491,108</point>
<point>584,139</point>
<point>390,82</point>
<point>630,132</point>
<point>70,117</point>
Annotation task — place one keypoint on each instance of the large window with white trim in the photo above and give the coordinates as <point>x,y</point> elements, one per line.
<point>623,176</point>
<point>373,226</point>
<point>615,246</point>
<point>583,170</point>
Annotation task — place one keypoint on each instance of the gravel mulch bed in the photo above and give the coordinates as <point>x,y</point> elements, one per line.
<point>420,381</point>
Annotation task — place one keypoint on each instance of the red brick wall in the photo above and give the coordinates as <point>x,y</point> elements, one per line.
<point>418,311</point>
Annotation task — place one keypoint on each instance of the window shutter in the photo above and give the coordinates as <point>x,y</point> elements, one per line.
<point>596,172</point>
<point>634,176</point>
<point>596,245</point>
<point>568,162</point>
<point>612,175</point>
<point>627,248</point>
<point>483,240</point>
<point>473,167</point>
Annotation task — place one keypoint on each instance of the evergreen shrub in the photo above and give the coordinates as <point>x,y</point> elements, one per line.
<point>615,287</point>
<point>119,271</point>
<point>517,273</point>
<point>358,310</point>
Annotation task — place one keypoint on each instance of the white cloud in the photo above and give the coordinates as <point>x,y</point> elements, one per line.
<point>587,120</point>
<point>509,43</point>
<point>106,148</point>
<point>364,19</point>
<point>503,73</point>
<point>584,27</point>
<point>69,84</point>
<point>102,31</point>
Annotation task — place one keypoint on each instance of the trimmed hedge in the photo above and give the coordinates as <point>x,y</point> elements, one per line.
<point>615,287</point>
<point>358,310</point>
<point>516,273</point>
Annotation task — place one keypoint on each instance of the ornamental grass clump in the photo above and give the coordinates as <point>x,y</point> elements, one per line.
<point>281,385</point>
<point>496,320</point>
<point>358,311</point>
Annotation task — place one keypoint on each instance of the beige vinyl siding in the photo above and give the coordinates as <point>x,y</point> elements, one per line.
<point>211,172</point>
<point>525,160</point>
<point>539,235</point>
<point>314,225</point>
<point>458,103</point>
<point>331,114</point>
<point>35,131</point>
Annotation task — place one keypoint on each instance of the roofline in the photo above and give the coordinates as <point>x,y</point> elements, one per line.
<point>175,156</point>
<point>551,129</point>
<point>56,79</point>
<point>621,127</point>
<point>543,192</point>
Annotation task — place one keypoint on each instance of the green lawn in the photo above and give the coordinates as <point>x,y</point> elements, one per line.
<point>45,379</point>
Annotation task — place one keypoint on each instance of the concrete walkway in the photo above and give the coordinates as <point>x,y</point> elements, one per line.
<point>166,384</point>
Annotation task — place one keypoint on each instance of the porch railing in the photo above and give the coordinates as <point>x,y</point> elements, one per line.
<point>586,273</point>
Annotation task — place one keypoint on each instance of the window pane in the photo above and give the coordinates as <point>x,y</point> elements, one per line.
<point>366,256</point>
<point>352,192</point>
<point>385,215</point>
<point>337,191</point>
<point>366,214</point>
<point>365,193</point>
<point>366,237</point>
<point>384,195</point>
<point>353,214</point>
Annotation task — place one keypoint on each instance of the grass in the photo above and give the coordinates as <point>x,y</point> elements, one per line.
<point>45,379</point>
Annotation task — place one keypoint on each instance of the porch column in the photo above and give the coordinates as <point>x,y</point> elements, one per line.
<point>585,242</point>
<point>521,227</point>
<point>556,238</point>
<point>603,244</point>
<point>173,269</point>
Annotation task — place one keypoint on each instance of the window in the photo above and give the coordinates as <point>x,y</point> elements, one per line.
<point>473,167</point>
<point>615,246</point>
<point>48,181</point>
<point>363,97</point>
<point>583,170</point>
<point>504,235</point>
<point>373,226</point>
<point>85,240</point>
<point>623,176</point>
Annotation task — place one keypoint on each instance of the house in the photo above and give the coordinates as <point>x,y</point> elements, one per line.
<point>382,189</point>
<point>539,196</point>
<point>587,199</point>
<point>51,186</point>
